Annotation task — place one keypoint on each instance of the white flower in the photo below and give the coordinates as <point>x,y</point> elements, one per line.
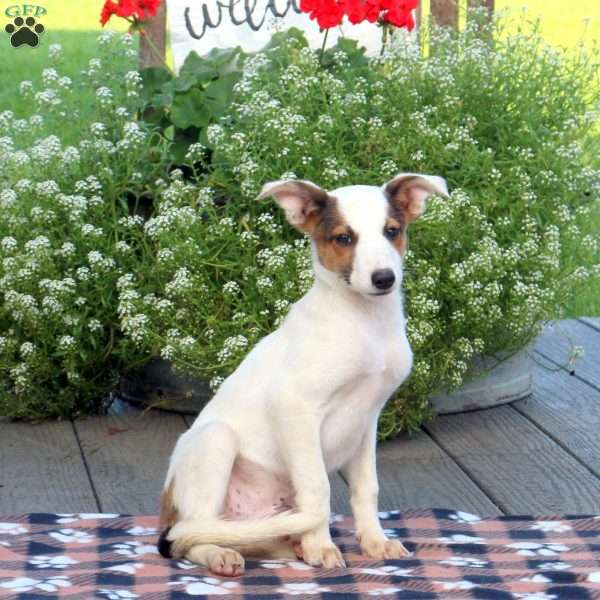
<point>54,51</point>
<point>215,383</point>
<point>231,287</point>
<point>66,343</point>
<point>49,76</point>
<point>195,152</point>
<point>47,188</point>
<point>133,136</point>
<point>26,88</point>
<point>104,95</point>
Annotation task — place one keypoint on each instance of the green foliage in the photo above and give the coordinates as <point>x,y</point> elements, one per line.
<point>507,123</point>
<point>106,259</point>
<point>183,106</point>
<point>68,232</point>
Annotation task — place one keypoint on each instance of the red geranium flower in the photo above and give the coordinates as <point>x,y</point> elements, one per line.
<point>138,10</point>
<point>355,10</point>
<point>328,13</point>
<point>400,13</point>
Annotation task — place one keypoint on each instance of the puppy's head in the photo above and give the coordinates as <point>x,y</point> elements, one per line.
<point>358,232</point>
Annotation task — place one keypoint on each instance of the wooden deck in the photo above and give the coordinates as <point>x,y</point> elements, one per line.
<point>537,456</point>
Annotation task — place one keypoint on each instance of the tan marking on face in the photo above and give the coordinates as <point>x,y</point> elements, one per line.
<point>323,227</point>
<point>399,242</point>
<point>169,515</point>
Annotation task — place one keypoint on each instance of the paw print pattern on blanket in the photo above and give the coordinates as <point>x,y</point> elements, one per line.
<point>455,555</point>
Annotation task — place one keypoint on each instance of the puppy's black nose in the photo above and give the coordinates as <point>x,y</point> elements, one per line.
<point>383,279</point>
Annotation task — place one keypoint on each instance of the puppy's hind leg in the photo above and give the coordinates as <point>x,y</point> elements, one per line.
<point>196,488</point>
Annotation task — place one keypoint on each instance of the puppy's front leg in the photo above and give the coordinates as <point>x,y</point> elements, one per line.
<point>300,442</point>
<point>361,474</point>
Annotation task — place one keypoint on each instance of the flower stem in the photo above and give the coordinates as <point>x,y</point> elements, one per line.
<point>384,37</point>
<point>323,46</point>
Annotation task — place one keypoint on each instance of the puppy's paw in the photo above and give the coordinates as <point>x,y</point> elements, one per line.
<point>226,562</point>
<point>382,548</point>
<point>328,556</point>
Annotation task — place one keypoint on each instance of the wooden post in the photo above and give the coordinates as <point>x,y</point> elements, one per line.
<point>445,12</point>
<point>153,45</point>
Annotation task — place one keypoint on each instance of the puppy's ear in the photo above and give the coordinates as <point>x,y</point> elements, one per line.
<point>301,200</point>
<point>408,191</point>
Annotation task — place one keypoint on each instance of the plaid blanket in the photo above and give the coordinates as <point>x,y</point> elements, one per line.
<point>456,555</point>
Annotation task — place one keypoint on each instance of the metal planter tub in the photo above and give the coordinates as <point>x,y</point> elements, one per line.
<point>492,382</point>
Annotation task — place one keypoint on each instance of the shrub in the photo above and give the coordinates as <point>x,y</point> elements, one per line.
<point>507,123</point>
<point>106,259</point>
<point>68,232</point>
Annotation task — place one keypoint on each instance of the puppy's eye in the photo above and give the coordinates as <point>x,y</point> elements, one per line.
<point>343,239</point>
<point>391,232</point>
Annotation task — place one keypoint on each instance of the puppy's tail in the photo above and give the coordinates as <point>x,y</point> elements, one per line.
<point>175,541</point>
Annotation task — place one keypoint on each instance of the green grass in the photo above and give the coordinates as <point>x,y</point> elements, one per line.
<point>75,25</point>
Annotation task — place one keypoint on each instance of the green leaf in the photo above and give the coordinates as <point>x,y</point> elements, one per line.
<point>282,39</point>
<point>181,144</point>
<point>225,60</point>
<point>197,69</point>
<point>153,81</point>
<point>189,110</point>
<point>356,54</point>
<point>202,69</point>
<point>218,93</point>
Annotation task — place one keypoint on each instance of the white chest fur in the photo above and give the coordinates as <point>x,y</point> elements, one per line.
<point>377,350</point>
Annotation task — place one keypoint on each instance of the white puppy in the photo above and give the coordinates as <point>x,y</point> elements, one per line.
<point>250,476</point>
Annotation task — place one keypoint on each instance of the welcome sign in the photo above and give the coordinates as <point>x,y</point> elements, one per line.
<point>201,25</point>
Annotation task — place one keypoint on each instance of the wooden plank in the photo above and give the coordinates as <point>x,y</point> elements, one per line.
<point>445,12</point>
<point>414,472</point>
<point>42,470</point>
<point>340,495</point>
<point>569,411</point>
<point>517,465</point>
<point>593,322</point>
<point>153,41</point>
<point>127,455</point>
<point>557,341</point>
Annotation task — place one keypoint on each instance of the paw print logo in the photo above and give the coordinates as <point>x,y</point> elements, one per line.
<point>24,31</point>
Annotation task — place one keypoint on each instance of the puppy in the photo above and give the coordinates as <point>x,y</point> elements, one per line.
<point>249,478</point>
